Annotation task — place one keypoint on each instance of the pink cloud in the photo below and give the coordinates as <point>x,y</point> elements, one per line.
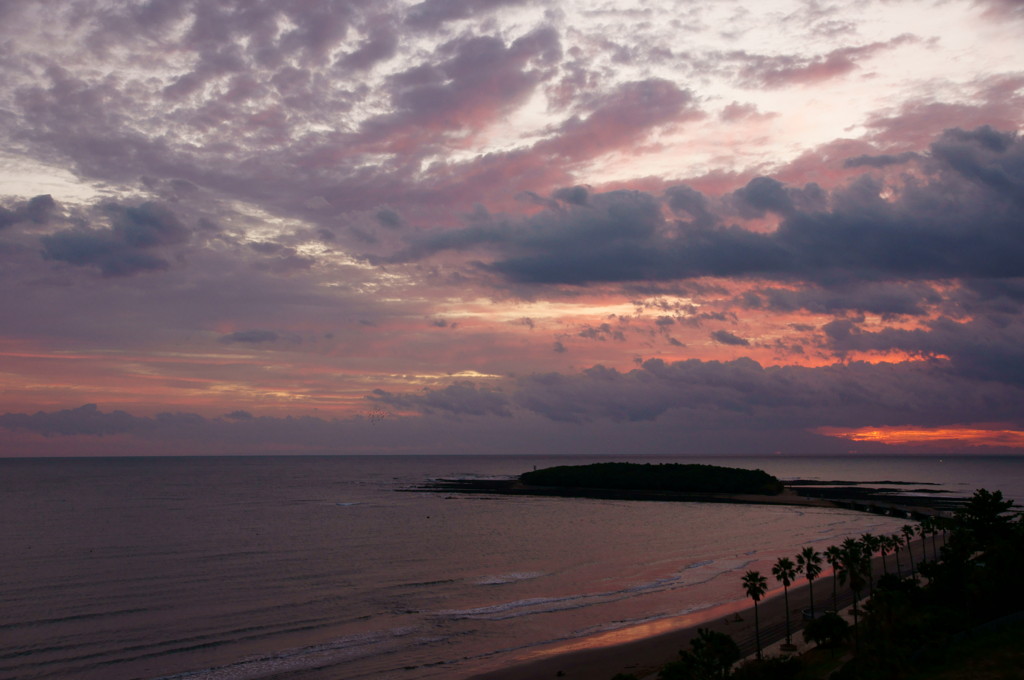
<point>772,72</point>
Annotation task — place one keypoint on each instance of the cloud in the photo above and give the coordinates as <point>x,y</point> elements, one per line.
<point>84,420</point>
<point>880,160</point>
<point>711,395</point>
<point>727,338</point>
<point>885,298</point>
<point>961,221</point>
<point>984,348</point>
<point>479,79</point>
<point>126,247</point>
<point>358,176</point>
<point>255,337</point>
<point>706,400</point>
<point>459,398</point>
<point>780,71</point>
<point>37,210</point>
<point>100,248</point>
<point>431,14</point>
<point>381,45</point>
<point>618,118</point>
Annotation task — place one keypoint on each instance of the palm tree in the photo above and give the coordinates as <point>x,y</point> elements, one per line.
<point>884,546</point>
<point>908,531</point>
<point>833,555</point>
<point>853,562</point>
<point>897,541</point>
<point>809,562</point>
<point>756,586</point>
<point>933,528</point>
<point>785,571</point>
<point>871,544</point>
<point>922,531</point>
<point>853,566</point>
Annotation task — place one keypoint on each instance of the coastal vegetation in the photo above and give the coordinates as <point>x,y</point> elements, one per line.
<point>955,611</point>
<point>671,477</point>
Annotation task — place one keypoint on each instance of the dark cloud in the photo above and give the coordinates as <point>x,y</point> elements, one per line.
<point>36,210</point>
<point>727,338</point>
<point>986,348</point>
<point>715,395</point>
<point>993,159</point>
<point>147,225</point>
<point>575,195</point>
<point>460,398</point>
<point>128,246</point>
<point>84,420</point>
<point>102,249</point>
<point>963,221</point>
<point>602,332</point>
<point>764,194</point>
<point>389,218</point>
<point>604,222</point>
<point>252,336</point>
<point>431,14</point>
<point>883,298</point>
<point>683,199</point>
<point>881,160</point>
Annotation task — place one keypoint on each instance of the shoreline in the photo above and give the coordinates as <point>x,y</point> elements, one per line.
<point>642,650</point>
<point>843,496</point>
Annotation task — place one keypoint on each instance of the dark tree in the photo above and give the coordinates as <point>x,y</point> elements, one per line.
<point>756,586</point>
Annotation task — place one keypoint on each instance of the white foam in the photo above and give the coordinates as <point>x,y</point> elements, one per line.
<point>501,579</point>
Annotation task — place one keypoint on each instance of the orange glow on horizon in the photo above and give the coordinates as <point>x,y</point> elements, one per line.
<point>921,436</point>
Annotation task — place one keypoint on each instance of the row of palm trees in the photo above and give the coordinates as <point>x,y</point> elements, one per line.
<point>850,562</point>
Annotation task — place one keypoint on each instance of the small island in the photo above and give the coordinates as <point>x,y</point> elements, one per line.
<point>636,481</point>
<point>672,477</point>
<point>693,482</point>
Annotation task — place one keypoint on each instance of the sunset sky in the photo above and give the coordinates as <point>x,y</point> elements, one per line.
<point>511,226</point>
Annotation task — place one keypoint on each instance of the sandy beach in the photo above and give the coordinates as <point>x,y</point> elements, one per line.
<point>643,650</point>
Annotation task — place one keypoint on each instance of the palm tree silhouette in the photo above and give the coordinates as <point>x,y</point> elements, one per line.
<point>809,562</point>
<point>924,529</point>
<point>884,546</point>
<point>833,555</point>
<point>897,541</point>
<point>853,562</point>
<point>785,571</point>
<point>908,531</point>
<point>756,586</point>
<point>871,543</point>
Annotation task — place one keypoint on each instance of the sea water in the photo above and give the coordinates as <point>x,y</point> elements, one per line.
<point>319,568</point>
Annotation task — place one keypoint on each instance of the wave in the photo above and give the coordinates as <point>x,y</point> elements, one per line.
<point>501,579</point>
<point>341,650</point>
<point>688,576</point>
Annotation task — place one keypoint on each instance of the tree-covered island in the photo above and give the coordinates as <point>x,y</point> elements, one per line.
<point>669,477</point>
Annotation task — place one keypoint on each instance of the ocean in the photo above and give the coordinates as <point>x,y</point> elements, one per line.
<point>244,568</point>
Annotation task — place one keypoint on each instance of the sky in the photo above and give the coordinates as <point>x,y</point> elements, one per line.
<point>512,227</point>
